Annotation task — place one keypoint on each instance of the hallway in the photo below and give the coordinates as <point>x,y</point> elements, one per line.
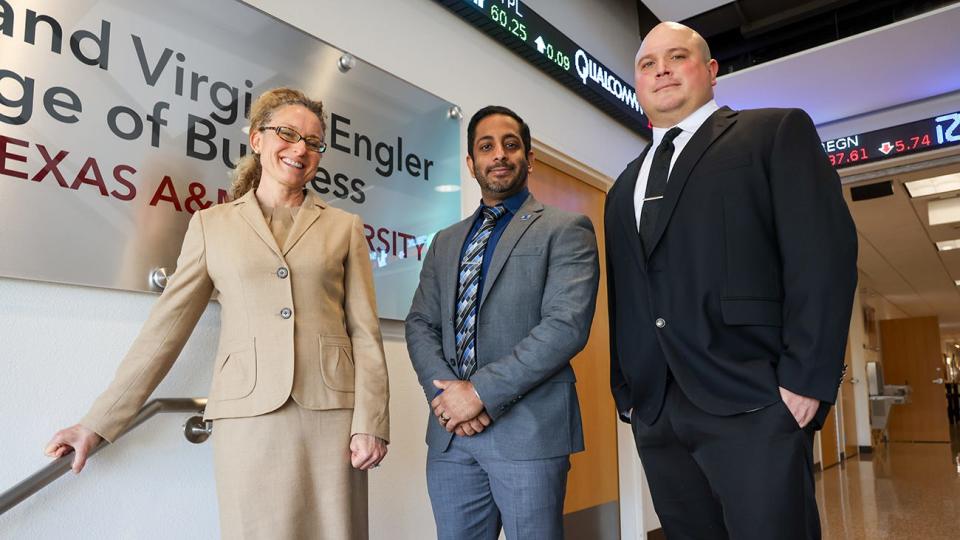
<point>904,490</point>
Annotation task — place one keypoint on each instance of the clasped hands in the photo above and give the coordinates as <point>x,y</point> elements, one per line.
<point>458,408</point>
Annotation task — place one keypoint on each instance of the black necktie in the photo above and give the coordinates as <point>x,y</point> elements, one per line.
<point>656,185</point>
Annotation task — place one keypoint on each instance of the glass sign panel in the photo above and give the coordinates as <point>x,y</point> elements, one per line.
<point>120,118</point>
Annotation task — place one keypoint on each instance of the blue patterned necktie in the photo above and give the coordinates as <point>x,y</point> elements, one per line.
<point>468,292</point>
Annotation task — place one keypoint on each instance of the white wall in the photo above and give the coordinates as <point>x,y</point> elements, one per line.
<point>637,515</point>
<point>60,344</point>
<point>858,370</point>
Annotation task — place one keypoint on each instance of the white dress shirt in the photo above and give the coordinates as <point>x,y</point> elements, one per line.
<point>689,125</point>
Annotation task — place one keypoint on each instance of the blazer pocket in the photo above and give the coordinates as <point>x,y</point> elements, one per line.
<point>235,372</point>
<point>336,363</point>
<point>752,311</point>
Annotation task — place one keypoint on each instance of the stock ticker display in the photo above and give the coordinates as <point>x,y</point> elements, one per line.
<point>911,138</point>
<point>517,27</point>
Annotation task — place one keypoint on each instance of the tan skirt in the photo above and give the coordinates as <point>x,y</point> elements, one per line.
<point>287,475</point>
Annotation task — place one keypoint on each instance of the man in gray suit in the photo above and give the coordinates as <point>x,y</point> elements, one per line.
<point>505,301</point>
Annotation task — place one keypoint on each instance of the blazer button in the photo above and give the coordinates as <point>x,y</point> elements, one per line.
<point>660,322</point>
<point>286,313</point>
<point>282,272</point>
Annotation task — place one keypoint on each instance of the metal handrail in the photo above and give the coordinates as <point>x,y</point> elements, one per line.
<point>55,469</point>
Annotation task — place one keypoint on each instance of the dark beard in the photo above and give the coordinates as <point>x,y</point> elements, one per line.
<point>514,185</point>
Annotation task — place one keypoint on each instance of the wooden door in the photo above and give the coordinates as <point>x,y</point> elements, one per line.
<point>910,354</point>
<point>829,447</point>
<point>593,481</point>
<point>848,410</point>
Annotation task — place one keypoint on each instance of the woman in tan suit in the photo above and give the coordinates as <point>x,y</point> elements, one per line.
<point>299,393</point>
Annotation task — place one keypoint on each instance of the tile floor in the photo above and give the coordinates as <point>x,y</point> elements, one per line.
<point>901,491</point>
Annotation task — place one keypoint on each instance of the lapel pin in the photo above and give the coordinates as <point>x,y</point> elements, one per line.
<point>525,217</point>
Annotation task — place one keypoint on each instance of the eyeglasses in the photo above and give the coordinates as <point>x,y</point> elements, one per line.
<point>314,144</point>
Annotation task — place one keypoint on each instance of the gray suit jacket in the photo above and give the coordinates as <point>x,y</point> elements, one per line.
<point>538,300</point>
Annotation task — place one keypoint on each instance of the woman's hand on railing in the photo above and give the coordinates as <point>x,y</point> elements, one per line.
<point>76,439</point>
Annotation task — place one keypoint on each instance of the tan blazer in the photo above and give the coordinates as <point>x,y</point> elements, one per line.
<point>298,322</point>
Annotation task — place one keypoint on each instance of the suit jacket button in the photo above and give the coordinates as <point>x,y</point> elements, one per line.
<point>660,322</point>
<point>286,313</point>
<point>282,272</point>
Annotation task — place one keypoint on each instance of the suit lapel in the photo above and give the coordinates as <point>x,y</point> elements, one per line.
<point>718,122</point>
<point>626,210</point>
<point>250,212</point>
<point>529,212</point>
<point>309,212</point>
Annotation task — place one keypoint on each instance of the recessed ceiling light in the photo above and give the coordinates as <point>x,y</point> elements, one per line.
<point>447,188</point>
<point>947,245</point>
<point>933,186</point>
<point>943,211</point>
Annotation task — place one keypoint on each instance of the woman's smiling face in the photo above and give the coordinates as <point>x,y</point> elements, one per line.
<point>290,165</point>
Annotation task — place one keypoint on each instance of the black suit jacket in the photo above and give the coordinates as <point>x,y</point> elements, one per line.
<point>752,271</point>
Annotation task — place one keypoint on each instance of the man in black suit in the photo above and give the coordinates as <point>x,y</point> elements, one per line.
<point>731,259</point>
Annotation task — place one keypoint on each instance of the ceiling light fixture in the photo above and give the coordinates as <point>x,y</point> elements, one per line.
<point>933,186</point>
<point>947,245</point>
<point>943,211</point>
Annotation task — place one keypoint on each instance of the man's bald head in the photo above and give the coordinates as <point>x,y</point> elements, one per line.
<point>674,73</point>
<point>695,38</point>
